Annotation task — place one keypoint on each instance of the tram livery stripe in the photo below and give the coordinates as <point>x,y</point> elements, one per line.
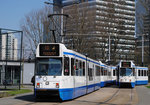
<point>67,53</point>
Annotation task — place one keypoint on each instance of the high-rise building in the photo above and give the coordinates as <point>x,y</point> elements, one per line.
<point>143,31</point>
<point>110,24</point>
<point>9,45</point>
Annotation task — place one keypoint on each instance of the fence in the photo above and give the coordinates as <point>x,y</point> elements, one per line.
<point>10,58</point>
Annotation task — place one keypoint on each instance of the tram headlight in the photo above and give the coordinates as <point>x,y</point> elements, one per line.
<point>57,85</point>
<point>38,85</point>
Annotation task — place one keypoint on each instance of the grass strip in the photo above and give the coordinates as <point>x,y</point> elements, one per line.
<point>148,86</point>
<point>22,91</point>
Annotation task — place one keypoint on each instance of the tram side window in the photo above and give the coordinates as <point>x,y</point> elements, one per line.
<point>72,67</point>
<point>83,68</point>
<point>66,66</point>
<point>102,71</point>
<point>144,72</point>
<point>109,73</point>
<point>139,72</point>
<point>80,68</point>
<point>97,71</point>
<point>105,72</point>
<point>90,74</point>
<point>133,71</point>
<point>114,72</point>
<point>77,68</point>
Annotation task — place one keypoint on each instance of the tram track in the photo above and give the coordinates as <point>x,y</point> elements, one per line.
<point>110,98</point>
<point>131,97</point>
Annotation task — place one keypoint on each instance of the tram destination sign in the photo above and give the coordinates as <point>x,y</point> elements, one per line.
<point>126,64</point>
<point>49,49</point>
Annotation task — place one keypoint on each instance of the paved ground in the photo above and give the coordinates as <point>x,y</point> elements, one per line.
<point>104,96</point>
<point>143,95</point>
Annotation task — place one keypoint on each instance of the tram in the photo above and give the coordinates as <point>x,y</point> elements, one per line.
<point>141,75</point>
<point>126,74</point>
<point>64,73</point>
<point>68,74</point>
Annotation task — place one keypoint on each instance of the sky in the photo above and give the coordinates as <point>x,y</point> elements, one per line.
<point>13,11</point>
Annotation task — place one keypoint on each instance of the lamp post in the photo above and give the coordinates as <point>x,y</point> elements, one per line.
<point>142,50</point>
<point>109,49</point>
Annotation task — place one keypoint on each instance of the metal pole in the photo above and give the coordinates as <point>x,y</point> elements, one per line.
<point>109,49</point>
<point>86,74</point>
<point>62,41</point>
<point>20,58</point>
<point>6,58</point>
<point>0,44</point>
<point>142,50</point>
<point>22,66</point>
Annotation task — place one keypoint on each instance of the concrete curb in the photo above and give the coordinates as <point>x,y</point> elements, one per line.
<point>3,94</point>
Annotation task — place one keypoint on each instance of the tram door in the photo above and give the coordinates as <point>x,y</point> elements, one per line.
<point>78,72</point>
<point>90,77</point>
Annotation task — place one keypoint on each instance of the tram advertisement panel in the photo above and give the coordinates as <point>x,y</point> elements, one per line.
<point>49,49</point>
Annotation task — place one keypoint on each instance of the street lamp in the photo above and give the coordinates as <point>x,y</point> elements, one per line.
<point>142,49</point>
<point>109,48</point>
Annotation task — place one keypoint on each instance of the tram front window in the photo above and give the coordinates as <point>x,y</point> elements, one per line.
<point>126,72</point>
<point>52,67</point>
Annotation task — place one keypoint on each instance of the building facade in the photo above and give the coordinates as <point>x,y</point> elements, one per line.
<point>9,46</point>
<point>143,31</point>
<point>110,24</point>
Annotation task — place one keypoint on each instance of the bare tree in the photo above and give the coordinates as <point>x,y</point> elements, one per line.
<point>35,26</point>
<point>79,28</point>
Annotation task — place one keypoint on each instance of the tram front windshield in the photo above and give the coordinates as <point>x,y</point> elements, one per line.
<point>126,72</point>
<point>51,67</point>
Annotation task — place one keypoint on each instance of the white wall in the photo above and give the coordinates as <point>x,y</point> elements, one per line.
<point>28,72</point>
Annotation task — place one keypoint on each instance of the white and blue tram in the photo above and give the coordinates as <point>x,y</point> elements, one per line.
<point>107,75</point>
<point>104,74</point>
<point>141,75</point>
<point>126,73</point>
<point>113,74</point>
<point>64,73</point>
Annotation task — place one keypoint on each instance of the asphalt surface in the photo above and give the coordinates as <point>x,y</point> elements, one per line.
<point>105,96</point>
<point>143,95</point>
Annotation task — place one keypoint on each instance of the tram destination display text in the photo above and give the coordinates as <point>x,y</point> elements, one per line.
<point>49,49</point>
<point>126,64</point>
